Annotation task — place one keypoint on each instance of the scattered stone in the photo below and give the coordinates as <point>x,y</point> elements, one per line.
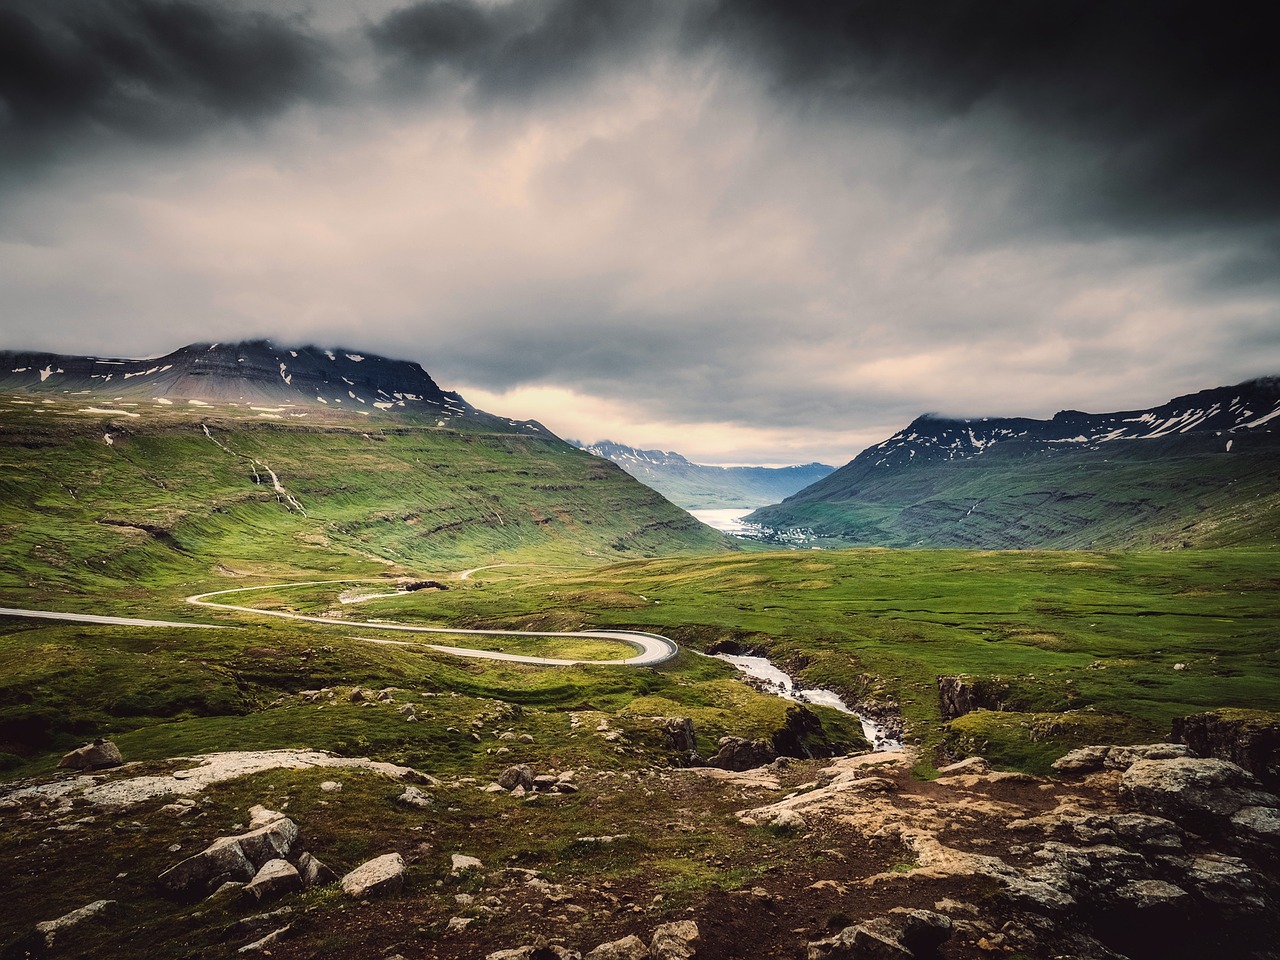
<point>789,821</point>
<point>628,948</point>
<point>197,876</point>
<point>518,776</point>
<point>271,939</point>
<point>544,782</point>
<point>274,879</point>
<point>331,786</point>
<point>975,766</point>
<point>413,797</point>
<point>92,911</point>
<point>675,941</point>
<point>458,924</point>
<point>98,755</point>
<point>272,839</point>
<point>408,712</point>
<point>901,934</point>
<point>461,863</point>
<point>540,950</point>
<point>377,877</point>
<point>313,872</point>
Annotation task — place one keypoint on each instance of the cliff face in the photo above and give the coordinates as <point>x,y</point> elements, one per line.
<point>1248,738</point>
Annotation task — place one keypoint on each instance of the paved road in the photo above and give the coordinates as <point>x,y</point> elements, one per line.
<point>653,648</point>
<point>95,618</point>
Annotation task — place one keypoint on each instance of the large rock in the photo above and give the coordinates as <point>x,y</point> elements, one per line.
<point>628,948</point>
<point>960,695</point>
<point>1202,793</point>
<point>198,876</point>
<point>680,731</point>
<point>274,879</point>
<point>737,753</point>
<point>542,950</point>
<point>675,941</point>
<point>900,935</point>
<point>1249,738</point>
<point>313,872</point>
<point>1094,758</point>
<point>98,755</point>
<point>518,776</point>
<point>93,911</point>
<point>375,878</point>
<point>273,841</point>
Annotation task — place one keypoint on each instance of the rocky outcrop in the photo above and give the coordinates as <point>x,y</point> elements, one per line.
<point>802,736</point>
<point>899,935</point>
<point>263,861</point>
<point>738,753</point>
<point>962,694</point>
<point>1205,795</point>
<point>681,733</point>
<point>1250,739</point>
<point>99,755</point>
<point>1093,758</point>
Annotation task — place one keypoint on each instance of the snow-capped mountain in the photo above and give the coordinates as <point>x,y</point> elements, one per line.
<point>696,486</point>
<point>1198,469</point>
<point>254,375</point>
<point>928,439</point>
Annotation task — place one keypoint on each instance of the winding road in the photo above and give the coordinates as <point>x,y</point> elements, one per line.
<point>652,648</point>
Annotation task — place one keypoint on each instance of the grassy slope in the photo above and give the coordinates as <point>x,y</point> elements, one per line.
<point>164,509</point>
<point>1097,633</point>
<point>1133,494</point>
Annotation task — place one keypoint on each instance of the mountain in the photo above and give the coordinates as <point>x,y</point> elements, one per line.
<point>254,373</point>
<point>253,459</point>
<point>1198,470</point>
<point>695,486</point>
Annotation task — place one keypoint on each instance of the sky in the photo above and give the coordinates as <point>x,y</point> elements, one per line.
<point>751,231</point>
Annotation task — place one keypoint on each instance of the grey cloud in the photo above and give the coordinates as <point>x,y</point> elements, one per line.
<point>516,50</point>
<point>149,70</point>
<point>1170,105</point>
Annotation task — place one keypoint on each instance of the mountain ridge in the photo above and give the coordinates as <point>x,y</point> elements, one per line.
<point>250,372</point>
<point>1172,474</point>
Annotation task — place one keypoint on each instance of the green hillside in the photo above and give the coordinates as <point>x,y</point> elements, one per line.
<point>186,496</point>
<point>1133,494</point>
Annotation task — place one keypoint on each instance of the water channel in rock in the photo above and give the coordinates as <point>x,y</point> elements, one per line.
<point>780,684</point>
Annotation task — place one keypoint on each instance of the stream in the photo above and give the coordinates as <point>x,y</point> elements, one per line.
<point>778,683</point>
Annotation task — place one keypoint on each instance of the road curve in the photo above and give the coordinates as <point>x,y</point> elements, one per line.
<point>653,648</point>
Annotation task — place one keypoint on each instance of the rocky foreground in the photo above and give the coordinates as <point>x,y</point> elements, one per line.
<point>1134,851</point>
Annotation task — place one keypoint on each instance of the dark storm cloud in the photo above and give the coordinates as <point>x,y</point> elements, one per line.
<point>151,70</point>
<point>1169,106</point>
<point>1136,114</point>
<point>519,49</point>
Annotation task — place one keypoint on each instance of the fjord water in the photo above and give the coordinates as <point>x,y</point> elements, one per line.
<point>727,520</point>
